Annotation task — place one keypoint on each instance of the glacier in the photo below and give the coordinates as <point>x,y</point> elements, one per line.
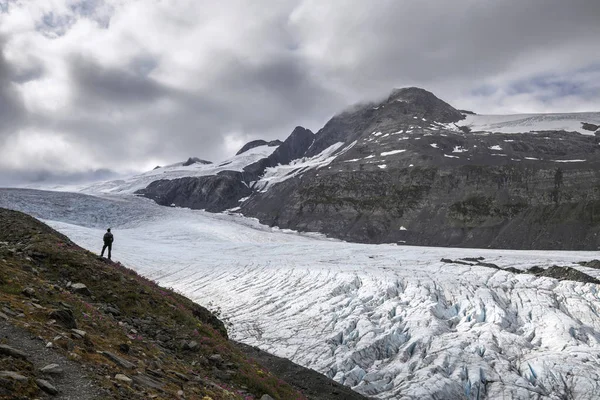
<point>391,321</point>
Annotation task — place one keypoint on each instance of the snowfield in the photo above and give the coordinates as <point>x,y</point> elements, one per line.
<point>519,123</point>
<point>393,322</point>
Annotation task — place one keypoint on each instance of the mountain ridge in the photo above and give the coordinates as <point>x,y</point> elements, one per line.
<point>413,169</point>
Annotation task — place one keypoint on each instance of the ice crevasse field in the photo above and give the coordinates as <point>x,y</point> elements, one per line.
<point>392,322</point>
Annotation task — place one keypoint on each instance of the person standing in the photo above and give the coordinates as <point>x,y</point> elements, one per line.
<point>108,240</point>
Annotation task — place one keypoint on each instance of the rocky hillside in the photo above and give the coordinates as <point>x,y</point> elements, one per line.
<point>75,326</point>
<point>413,169</point>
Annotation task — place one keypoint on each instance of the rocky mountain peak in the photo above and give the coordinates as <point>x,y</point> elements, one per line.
<point>410,94</point>
<point>397,112</point>
<point>424,104</point>
<point>195,160</point>
<point>256,143</point>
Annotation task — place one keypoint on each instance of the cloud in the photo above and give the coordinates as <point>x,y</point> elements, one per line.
<point>127,84</point>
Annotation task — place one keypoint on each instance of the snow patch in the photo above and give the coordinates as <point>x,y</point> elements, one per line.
<point>519,123</point>
<point>281,173</point>
<point>389,153</point>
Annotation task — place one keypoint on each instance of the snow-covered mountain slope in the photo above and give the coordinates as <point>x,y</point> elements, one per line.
<point>281,173</point>
<point>391,321</point>
<point>520,123</point>
<point>178,170</point>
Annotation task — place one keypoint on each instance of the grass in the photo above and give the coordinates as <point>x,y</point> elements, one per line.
<point>32,255</point>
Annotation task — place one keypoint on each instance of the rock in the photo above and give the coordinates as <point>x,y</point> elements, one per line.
<point>155,372</point>
<point>112,311</point>
<point>124,348</point>
<point>12,352</point>
<point>65,318</point>
<point>10,312</point>
<point>266,397</point>
<point>163,337</point>
<point>46,386</point>
<point>145,380</point>
<point>214,193</point>
<point>222,375</point>
<point>79,332</point>
<point>251,145</point>
<point>29,292</point>
<point>3,316</point>
<point>13,375</point>
<point>591,264</point>
<point>216,358</point>
<point>194,160</point>
<point>118,360</point>
<point>65,305</point>
<point>589,127</point>
<point>123,378</point>
<point>295,146</point>
<point>65,343</point>
<point>52,369</point>
<point>181,376</point>
<point>80,288</point>
<point>192,345</point>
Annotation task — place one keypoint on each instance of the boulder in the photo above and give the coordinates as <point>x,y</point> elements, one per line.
<point>46,386</point>
<point>146,381</point>
<point>65,318</point>
<point>123,378</point>
<point>12,352</point>
<point>80,288</point>
<point>13,375</point>
<point>118,360</point>
<point>52,369</point>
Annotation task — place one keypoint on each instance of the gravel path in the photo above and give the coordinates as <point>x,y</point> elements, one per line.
<point>73,384</point>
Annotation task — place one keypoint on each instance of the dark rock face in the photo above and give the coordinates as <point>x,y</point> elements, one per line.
<point>64,317</point>
<point>251,145</point>
<point>257,143</point>
<point>487,201</point>
<point>294,147</point>
<point>410,179</point>
<point>213,193</point>
<point>194,160</point>
<point>589,127</point>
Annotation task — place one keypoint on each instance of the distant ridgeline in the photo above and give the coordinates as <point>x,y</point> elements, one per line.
<point>412,169</point>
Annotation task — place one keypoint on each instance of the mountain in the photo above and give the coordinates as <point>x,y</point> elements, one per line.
<point>413,169</point>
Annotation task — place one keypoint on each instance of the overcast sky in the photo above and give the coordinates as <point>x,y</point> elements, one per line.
<point>93,86</point>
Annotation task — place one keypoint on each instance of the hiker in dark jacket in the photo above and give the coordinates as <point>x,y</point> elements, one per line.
<point>108,239</point>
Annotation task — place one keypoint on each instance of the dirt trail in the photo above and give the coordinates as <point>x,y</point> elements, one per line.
<point>72,384</point>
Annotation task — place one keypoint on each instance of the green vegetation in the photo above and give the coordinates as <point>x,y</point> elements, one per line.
<point>162,331</point>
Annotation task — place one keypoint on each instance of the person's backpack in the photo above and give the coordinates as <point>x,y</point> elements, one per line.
<point>108,237</point>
